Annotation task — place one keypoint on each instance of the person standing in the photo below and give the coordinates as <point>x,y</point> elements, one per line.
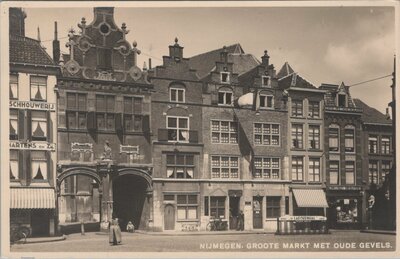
<point>240,225</point>
<point>115,232</point>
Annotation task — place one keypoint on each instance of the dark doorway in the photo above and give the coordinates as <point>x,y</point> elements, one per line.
<point>169,217</point>
<point>234,210</point>
<point>129,195</point>
<point>257,212</point>
<point>40,223</point>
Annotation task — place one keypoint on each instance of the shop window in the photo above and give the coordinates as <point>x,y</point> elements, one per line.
<point>314,137</point>
<point>224,167</point>
<point>39,165</point>
<point>225,77</point>
<point>350,172</point>
<point>297,108</point>
<point>14,164</point>
<point>180,166</point>
<point>105,116</point>
<point>297,168</point>
<point>38,88</point>
<point>373,144</point>
<point>273,206</point>
<point>314,169</point>
<point>333,138</point>
<point>225,132</point>
<point>373,172</point>
<point>266,101</point>
<point>177,95</point>
<point>267,134</point>
<point>187,207</point>
<point>266,81</point>
<point>385,145</point>
<point>76,111</point>
<point>225,97</point>
<point>346,210</point>
<point>39,125</point>
<point>313,110</point>
<point>13,124</point>
<point>133,118</point>
<point>178,128</point>
<point>333,172</point>
<point>13,86</point>
<point>297,136</point>
<point>217,207</point>
<point>349,138</point>
<point>385,170</point>
<point>266,167</point>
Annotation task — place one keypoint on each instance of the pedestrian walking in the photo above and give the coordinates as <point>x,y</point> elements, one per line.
<point>115,232</point>
<point>130,227</point>
<point>240,225</point>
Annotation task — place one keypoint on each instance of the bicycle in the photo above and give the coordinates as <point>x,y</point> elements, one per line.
<point>19,232</point>
<point>217,224</point>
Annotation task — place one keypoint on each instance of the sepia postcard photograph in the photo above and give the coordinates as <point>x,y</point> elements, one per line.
<point>199,129</point>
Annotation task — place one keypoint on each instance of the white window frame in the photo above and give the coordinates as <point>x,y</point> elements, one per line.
<point>39,120</point>
<point>228,77</point>
<point>302,135</point>
<point>263,81</point>
<point>338,172</point>
<point>42,161</point>
<point>220,132</point>
<point>178,129</point>
<point>14,164</point>
<point>337,127</point>
<point>225,102</point>
<point>14,83</point>
<point>315,126</point>
<point>354,173</point>
<point>32,97</point>
<point>297,173</point>
<point>312,173</point>
<point>266,101</point>
<point>264,166</point>
<point>350,127</point>
<point>177,95</point>
<point>266,134</point>
<point>229,167</point>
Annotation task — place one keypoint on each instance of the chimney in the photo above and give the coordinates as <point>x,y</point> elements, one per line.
<point>56,45</point>
<point>224,55</point>
<point>265,59</point>
<point>38,34</point>
<point>149,63</point>
<point>17,21</point>
<point>176,51</point>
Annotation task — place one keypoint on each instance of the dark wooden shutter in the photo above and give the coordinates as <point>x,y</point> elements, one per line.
<point>214,97</point>
<point>28,164</point>
<point>162,135</point>
<point>29,124</point>
<point>49,127</point>
<point>49,168</point>
<point>193,136</point>
<point>91,121</point>
<point>21,169</point>
<point>119,126</point>
<point>21,124</point>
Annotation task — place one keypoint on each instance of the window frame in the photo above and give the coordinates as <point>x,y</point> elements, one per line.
<point>385,170</point>
<point>41,161</point>
<point>312,168</point>
<point>348,171</point>
<point>39,120</point>
<point>296,137</point>
<point>314,113</point>
<point>274,204</point>
<point>178,129</point>
<point>334,162</point>
<point>77,111</point>
<point>228,77</point>
<point>11,83</point>
<point>185,166</point>
<point>336,148</point>
<point>373,144</point>
<point>373,172</point>
<point>349,149</point>
<point>297,108</point>
<point>37,85</point>
<point>225,92</point>
<point>177,89</point>
<point>220,167</point>
<point>295,168</point>
<point>312,136</point>
<point>263,81</point>
<point>265,135</point>
<point>186,206</point>
<point>220,132</point>
<point>15,118</point>
<point>266,101</point>
<point>132,115</point>
<point>14,161</point>
<point>220,204</point>
<point>264,167</point>
<point>106,113</point>
<point>385,145</point>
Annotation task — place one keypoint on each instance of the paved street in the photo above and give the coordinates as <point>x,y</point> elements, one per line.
<point>137,242</point>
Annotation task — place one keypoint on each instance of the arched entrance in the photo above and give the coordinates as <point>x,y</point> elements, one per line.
<point>130,200</point>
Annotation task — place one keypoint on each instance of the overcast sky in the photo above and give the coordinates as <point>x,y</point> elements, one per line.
<point>322,44</point>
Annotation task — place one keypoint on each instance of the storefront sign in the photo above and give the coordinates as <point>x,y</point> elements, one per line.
<point>33,105</point>
<point>33,146</point>
<point>303,218</point>
<point>129,149</point>
<point>81,147</point>
<point>190,227</point>
<point>344,188</point>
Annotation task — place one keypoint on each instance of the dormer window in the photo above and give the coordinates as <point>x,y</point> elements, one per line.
<point>225,77</point>
<point>225,96</point>
<point>266,81</point>
<point>266,101</point>
<point>341,100</point>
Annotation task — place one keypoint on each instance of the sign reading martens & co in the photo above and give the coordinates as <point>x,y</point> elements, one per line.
<point>32,105</point>
<point>33,146</point>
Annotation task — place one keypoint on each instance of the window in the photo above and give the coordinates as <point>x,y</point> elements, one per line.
<point>297,136</point>
<point>217,207</point>
<point>350,172</point>
<point>297,168</point>
<point>273,206</point>
<point>314,169</point>
<point>39,165</point>
<point>104,58</point>
<point>224,167</point>
<point>341,100</point>
<point>385,169</point>
<point>13,86</point>
<point>225,77</point>
<point>266,134</point>
<point>186,207</point>
<point>38,88</point>
<point>76,111</point>
<point>14,165</point>
<point>297,108</point>
<point>177,95</point>
<point>180,166</point>
<point>224,132</point>
<point>178,128</point>
<point>385,145</point>
<point>13,124</point>
<point>333,139</point>
<point>313,137</point>
<point>39,125</point>
<point>313,109</point>
<point>266,101</point>
<point>334,172</point>
<point>373,144</point>
<point>266,167</point>
<point>349,139</point>
<point>133,107</point>
<point>266,81</point>
<point>105,112</point>
<point>225,97</point>
<point>373,172</point>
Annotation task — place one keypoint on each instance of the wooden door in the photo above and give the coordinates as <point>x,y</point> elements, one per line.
<point>257,212</point>
<point>169,217</point>
<point>40,222</point>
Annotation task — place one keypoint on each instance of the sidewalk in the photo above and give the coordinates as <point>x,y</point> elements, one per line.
<point>33,240</point>
<point>203,233</point>
<point>377,231</point>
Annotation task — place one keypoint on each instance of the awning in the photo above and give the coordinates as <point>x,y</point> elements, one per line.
<point>32,198</point>
<point>310,198</point>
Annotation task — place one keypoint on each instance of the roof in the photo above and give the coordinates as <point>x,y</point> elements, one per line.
<point>287,78</point>
<point>370,114</point>
<point>204,63</point>
<point>28,51</point>
<point>331,94</point>
<point>285,70</point>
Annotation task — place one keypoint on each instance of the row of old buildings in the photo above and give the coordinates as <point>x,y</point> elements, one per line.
<point>93,136</point>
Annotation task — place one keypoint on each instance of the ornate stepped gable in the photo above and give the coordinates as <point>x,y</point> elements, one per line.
<point>101,51</point>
